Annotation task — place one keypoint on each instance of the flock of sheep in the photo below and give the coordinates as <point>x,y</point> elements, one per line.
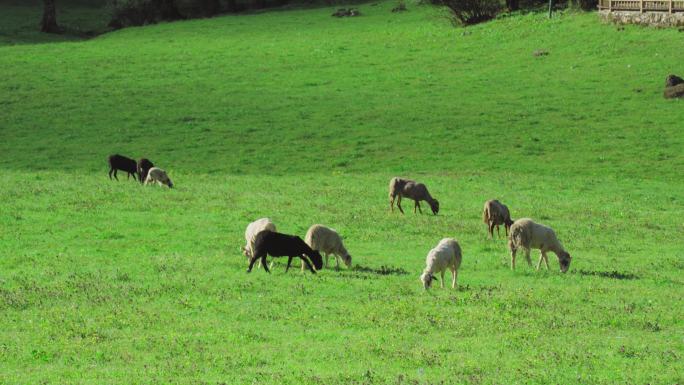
<point>262,238</point>
<point>524,234</point>
<point>144,169</point>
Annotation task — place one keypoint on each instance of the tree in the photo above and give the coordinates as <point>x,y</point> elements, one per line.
<point>513,5</point>
<point>49,22</point>
<point>167,9</point>
<point>211,7</point>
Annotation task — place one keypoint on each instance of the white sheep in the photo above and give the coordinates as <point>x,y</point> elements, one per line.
<point>446,255</point>
<point>526,235</point>
<point>251,232</point>
<point>328,241</point>
<point>496,213</point>
<point>156,174</point>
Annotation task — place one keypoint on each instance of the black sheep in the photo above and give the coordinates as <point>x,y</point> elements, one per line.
<point>120,162</point>
<point>282,245</point>
<point>144,165</point>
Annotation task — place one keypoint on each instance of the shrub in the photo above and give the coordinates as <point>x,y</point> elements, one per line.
<point>586,5</point>
<point>127,13</point>
<point>467,12</point>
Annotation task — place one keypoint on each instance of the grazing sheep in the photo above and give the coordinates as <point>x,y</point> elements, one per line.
<point>156,174</point>
<point>120,162</point>
<point>526,235</point>
<point>327,241</point>
<point>496,213</point>
<point>144,166</point>
<point>282,245</point>
<point>251,232</point>
<point>447,254</point>
<point>411,189</point>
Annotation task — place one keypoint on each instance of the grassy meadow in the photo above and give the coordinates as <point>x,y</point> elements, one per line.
<point>304,118</point>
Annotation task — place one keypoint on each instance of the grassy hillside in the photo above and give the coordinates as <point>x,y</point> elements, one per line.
<point>304,118</point>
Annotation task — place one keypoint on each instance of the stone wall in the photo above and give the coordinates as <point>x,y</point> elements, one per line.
<point>651,19</point>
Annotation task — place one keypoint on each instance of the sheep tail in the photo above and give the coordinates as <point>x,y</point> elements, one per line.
<point>485,215</point>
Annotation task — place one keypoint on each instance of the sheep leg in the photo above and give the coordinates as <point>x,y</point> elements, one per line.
<point>308,264</point>
<point>391,204</point>
<point>289,262</point>
<point>541,258</point>
<point>454,275</point>
<point>441,283</point>
<point>115,177</point>
<point>327,257</point>
<point>337,262</point>
<point>111,170</point>
<point>264,263</point>
<point>490,229</point>
<point>527,257</point>
<point>399,204</point>
<point>420,209</point>
<point>513,251</point>
<point>546,260</point>
<point>302,265</point>
<point>498,231</point>
<point>252,261</point>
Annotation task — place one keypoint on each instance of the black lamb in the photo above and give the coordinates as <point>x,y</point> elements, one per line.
<point>282,245</point>
<point>120,162</point>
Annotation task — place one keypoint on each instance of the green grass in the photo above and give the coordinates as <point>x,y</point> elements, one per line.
<point>304,118</point>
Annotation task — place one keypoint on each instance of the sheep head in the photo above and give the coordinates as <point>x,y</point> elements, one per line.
<point>347,259</point>
<point>434,205</point>
<point>316,259</point>
<point>564,260</point>
<point>427,279</point>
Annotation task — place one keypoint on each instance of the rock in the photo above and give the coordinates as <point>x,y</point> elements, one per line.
<point>674,91</point>
<point>540,52</point>
<point>673,80</point>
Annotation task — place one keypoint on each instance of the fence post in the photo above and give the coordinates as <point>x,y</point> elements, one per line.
<point>670,6</point>
<point>610,5</point>
<point>641,6</point>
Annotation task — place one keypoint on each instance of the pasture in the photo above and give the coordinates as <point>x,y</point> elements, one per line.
<point>304,118</point>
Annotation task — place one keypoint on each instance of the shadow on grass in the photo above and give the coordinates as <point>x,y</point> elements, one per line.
<point>608,274</point>
<point>383,270</point>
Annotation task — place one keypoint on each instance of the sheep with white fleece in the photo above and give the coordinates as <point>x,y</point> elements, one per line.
<point>526,234</point>
<point>446,255</point>
<point>251,232</point>
<point>328,241</point>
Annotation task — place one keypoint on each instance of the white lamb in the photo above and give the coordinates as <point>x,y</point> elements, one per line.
<point>328,241</point>
<point>526,235</point>
<point>156,174</point>
<point>446,255</point>
<point>251,232</point>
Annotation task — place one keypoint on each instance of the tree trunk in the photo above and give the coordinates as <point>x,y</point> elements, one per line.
<point>49,22</point>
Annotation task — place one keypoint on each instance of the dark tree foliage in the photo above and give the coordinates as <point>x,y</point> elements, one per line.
<point>168,10</point>
<point>49,22</point>
<point>468,12</point>
<point>210,7</point>
<point>513,5</point>
<point>586,5</point>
